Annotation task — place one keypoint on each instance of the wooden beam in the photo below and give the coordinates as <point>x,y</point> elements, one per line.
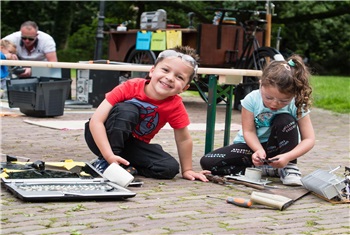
<point>125,67</point>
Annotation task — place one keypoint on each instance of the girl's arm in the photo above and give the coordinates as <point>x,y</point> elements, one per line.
<point>99,133</point>
<point>184,146</point>
<point>249,133</point>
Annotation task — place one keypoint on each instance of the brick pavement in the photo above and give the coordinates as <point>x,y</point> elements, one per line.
<point>173,206</point>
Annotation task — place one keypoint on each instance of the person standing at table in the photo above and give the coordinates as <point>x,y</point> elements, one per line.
<point>33,44</point>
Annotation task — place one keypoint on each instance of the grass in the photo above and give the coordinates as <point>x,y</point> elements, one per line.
<point>331,93</point>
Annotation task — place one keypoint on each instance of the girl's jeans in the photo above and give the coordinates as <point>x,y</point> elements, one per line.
<point>233,159</point>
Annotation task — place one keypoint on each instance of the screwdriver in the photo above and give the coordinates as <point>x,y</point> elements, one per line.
<point>242,202</point>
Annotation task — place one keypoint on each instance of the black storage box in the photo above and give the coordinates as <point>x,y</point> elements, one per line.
<point>39,96</point>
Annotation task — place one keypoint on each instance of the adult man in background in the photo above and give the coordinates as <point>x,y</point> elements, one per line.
<point>33,44</point>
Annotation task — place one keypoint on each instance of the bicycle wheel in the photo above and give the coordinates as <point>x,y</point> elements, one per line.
<point>141,57</point>
<point>262,56</point>
<point>257,61</point>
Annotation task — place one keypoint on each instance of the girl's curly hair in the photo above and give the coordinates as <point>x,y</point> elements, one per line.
<point>290,77</point>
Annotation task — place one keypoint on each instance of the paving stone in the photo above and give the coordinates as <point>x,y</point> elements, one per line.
<point>171,206</point>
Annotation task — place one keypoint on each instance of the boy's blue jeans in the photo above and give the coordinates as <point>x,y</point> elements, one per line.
<point>150,160</point>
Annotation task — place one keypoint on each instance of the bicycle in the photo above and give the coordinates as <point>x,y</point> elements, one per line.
<point>252,56</point>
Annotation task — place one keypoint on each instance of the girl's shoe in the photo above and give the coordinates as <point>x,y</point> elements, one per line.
<point>290,175</point>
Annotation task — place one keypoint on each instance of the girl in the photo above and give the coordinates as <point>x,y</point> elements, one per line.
<point>276,126</point>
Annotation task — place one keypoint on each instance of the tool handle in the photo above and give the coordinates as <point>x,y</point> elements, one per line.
<point>239,201</point>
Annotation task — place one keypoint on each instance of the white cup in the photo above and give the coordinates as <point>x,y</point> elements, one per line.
<point>253,174</point>
<point>118,175</point>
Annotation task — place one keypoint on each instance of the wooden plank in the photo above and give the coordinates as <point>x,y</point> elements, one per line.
<point>124,67</point>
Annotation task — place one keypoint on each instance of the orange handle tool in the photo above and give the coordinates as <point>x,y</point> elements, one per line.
<point>239,201</point>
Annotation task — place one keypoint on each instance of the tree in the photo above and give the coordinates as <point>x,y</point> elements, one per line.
<point>316,29</point>
<point>63,23</point>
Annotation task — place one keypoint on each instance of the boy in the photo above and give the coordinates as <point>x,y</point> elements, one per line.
<point>132,113</point>
<point>8,52</point>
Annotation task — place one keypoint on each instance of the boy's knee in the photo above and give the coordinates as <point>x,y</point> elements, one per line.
<point>125,111</point>
<point>123,116</point>
<point>164,171</point>
<point>169,171</point>
<point>169,174</point>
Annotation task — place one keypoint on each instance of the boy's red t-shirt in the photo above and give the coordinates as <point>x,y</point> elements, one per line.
<point>154,114</point>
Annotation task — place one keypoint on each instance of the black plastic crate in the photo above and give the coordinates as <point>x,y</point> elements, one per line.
<point>39,96</point>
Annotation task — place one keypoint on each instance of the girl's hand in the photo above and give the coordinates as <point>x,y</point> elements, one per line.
<point>257,156</point>
<point>280,163</point>
<point>191,175</point>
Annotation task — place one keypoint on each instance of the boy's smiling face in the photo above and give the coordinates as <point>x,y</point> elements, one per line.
<point>168,78</point>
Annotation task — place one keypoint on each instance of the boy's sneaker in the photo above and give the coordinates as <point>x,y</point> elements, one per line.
<point>100,164</point>
<point>290,175</point>
<point>132,170</point>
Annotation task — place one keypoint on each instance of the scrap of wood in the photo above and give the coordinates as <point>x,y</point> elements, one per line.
<point>9,114</point>
<point>331,201</point>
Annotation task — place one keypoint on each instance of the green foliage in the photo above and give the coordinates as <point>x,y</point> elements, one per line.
<point>331,93</point>
<point>14,13</point>
<point>323,41</point>
<point>79,44</point>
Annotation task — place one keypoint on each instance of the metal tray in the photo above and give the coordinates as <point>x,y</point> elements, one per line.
<point>92,186</point>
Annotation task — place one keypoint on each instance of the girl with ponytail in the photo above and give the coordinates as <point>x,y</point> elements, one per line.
<point>276,126</point>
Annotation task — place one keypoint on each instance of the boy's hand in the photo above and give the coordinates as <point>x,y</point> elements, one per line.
<point>117,159</point>
<point>191,175</point>
<point>11,56</point>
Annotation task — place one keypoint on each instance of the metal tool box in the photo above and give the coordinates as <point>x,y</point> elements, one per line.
<point>324,183</point>
<point>55,185</point>
<point>154,20</point>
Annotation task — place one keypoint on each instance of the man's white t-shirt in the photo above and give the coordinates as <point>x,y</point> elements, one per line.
<point>44,44</point>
